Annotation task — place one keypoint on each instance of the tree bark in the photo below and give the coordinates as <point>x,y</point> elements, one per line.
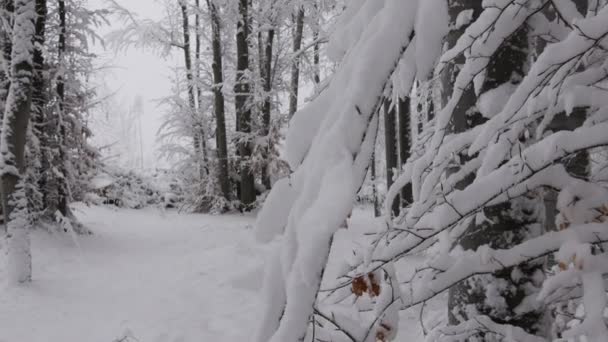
<point>316,49</point>
<point>377,207</point>
<point>197,135</point>
<point>61,48</point>
<point>219,102</point>
<point>243,110</point>
<point>13,137</point>
<point>62,202</point>
<point>266,108</point>
<point>392,154</point>
<point>295,67</point>
<point>579,164</point>
<point>405,145</point>
<point>506,224</point>
<point>39,156</point>
<point>6,47</point>
<point>199,92</point>
<point>38,83</point>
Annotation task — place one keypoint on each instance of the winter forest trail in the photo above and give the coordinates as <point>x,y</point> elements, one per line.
<point>143,276</point>
<point>152,276</point>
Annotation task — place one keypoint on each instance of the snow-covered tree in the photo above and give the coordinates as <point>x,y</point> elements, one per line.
<point>45,157</point>
<point>238,61</point>
<point>503,73</point>
<point>16,117</point>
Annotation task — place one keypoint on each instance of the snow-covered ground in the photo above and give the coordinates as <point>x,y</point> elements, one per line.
<point>143,276</point>
<point>148,276</point>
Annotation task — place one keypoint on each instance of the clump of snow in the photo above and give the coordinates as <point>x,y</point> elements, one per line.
<point>272,219</point>
<point>464,18</point>
<point>351,25</point>
<point>101,181</point>
<point>493,101</point>
<point>431,27</point>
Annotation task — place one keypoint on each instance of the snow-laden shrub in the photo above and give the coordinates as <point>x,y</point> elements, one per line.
<point>129,189</point>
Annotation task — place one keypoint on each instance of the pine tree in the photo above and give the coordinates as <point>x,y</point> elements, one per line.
<point>13,139</point>
<point>243,105</point>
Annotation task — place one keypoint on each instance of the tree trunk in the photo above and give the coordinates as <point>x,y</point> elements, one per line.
<point>197,135</point>
<point>316,49</point>
<point>39,99</point>
<point>295,67</point>
<point>62,49</point>
<point>219,102</point>
<point>506,224</point>
<point>13,138</point>
<point>392,154</point>
<point>405,145</point>
<point>6,47</point>
<point>199,92</point>
<point>377,207</point>
<point>267,77</point>
<point>62,201</point>
<point>38,83</point>
<point>579,164</point>
<point>456,294</point>
<point>243,106</point>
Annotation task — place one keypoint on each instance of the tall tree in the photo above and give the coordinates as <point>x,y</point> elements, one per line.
<point>199,86</point>
<point>507,224</point>
<point>39,102</point>
<point>219,101</point>
<point>298,34</point>
<point>579,164</point>
<point>6,46</point>
<point>62,200</point>
<point>477,173</point>
<point>391,147</point>
<point>317,47</point>
<point>377,206</point>
<point>242,89</point>
<point>58,197</point>
<point>13,138</point>
<point>197,134</point>
<point>266,107</point>
<point>405,144</point>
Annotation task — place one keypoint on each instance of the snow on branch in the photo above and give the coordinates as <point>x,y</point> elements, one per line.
<point>485,325</point>
<point>330,169</point>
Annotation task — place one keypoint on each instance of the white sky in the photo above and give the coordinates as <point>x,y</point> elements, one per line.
<point>138,73</point>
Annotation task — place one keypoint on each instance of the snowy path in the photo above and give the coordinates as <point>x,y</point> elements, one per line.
<point>153,277</point>
<point>145,276</point>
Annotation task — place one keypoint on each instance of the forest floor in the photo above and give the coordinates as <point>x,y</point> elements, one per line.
<point>145,276</point>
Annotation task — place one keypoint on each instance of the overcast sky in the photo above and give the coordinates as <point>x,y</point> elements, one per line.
<point>138,73</point>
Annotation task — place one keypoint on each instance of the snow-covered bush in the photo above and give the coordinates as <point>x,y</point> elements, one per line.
<point>128,189</point>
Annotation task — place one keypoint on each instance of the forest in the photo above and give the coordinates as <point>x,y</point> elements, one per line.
<point>320,171</point>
